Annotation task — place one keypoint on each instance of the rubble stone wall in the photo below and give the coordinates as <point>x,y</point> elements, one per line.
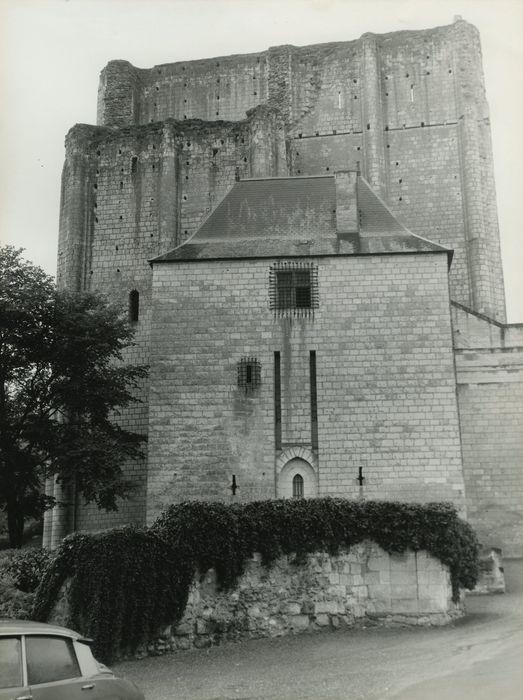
<point>362,587</point>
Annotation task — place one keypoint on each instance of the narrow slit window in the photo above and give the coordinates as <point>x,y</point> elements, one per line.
<point>297,486</point>
<point>314,399</point>
<point>412,93</point>
<point>277,401</point>
<point>134,306</point>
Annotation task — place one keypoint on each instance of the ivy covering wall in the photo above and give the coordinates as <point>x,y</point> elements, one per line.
<point>126,584</point>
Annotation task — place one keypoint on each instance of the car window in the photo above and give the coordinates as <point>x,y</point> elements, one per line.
<point>10,662</point>
<point>50,659</point>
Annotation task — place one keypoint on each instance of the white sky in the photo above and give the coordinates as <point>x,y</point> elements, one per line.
<point>52,51</point>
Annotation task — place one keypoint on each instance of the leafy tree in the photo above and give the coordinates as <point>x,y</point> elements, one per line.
<point>61,388</point>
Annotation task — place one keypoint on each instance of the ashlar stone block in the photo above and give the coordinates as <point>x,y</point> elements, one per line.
<point>404,605</point>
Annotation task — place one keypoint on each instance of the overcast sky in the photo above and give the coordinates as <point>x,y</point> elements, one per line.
<point>52,51</point>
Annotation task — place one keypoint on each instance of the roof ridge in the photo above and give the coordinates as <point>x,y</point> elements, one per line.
<point>287,177</point>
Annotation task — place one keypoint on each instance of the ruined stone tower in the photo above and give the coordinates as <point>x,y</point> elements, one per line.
<point>406,109</point>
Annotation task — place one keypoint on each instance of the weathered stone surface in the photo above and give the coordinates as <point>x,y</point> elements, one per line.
<point>294,608</point>
<point>492,577</point>
<point>290,599</point>
<point>322,620</point>
<point>489,366</point>
<point>299,622</point>
<point>329,607</point>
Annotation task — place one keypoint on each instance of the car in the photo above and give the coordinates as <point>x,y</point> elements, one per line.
<point>39,661</point>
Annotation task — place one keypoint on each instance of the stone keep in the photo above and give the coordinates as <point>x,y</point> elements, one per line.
<point>407,111</point>
<point>357,373</point>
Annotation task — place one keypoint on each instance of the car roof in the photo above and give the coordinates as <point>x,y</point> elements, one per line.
<point>30,627</point>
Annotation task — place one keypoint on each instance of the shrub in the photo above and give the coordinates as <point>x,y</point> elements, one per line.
<point>127,583</point>
<point>20,572</point>
<point>26,567</point>
<point>14,604</point>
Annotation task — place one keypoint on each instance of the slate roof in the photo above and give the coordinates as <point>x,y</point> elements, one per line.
<point>294,216</point>
<point>381,232</point>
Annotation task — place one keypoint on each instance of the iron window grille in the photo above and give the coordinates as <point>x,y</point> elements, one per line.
<point>294,288</point>
<point>249,374</point>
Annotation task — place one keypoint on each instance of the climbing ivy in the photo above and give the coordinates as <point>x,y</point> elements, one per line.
<point>123,585</point>
<point>126,584</point>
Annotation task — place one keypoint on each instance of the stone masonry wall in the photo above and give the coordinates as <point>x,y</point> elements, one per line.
<point>489,366</point>
<point>386,391</point>
<point>408,107</point>
<point>129,195</point>
<point>364,586</point>
<point>215,89</point>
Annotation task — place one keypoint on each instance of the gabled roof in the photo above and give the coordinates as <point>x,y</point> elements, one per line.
<point>296,216</point>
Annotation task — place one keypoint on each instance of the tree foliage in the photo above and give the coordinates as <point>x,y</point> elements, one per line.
<point>61,387</point>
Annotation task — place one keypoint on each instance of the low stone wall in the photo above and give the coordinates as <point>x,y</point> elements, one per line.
<point>364,586</point>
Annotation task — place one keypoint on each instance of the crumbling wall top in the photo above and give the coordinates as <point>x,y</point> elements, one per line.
<point>226,87</point>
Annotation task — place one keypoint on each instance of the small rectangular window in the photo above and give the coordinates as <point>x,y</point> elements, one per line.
<point>294,288</point>
<point>249,374</point>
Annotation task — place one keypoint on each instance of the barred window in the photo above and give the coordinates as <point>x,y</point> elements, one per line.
<point>249,374</point>
<point>294,288</point>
